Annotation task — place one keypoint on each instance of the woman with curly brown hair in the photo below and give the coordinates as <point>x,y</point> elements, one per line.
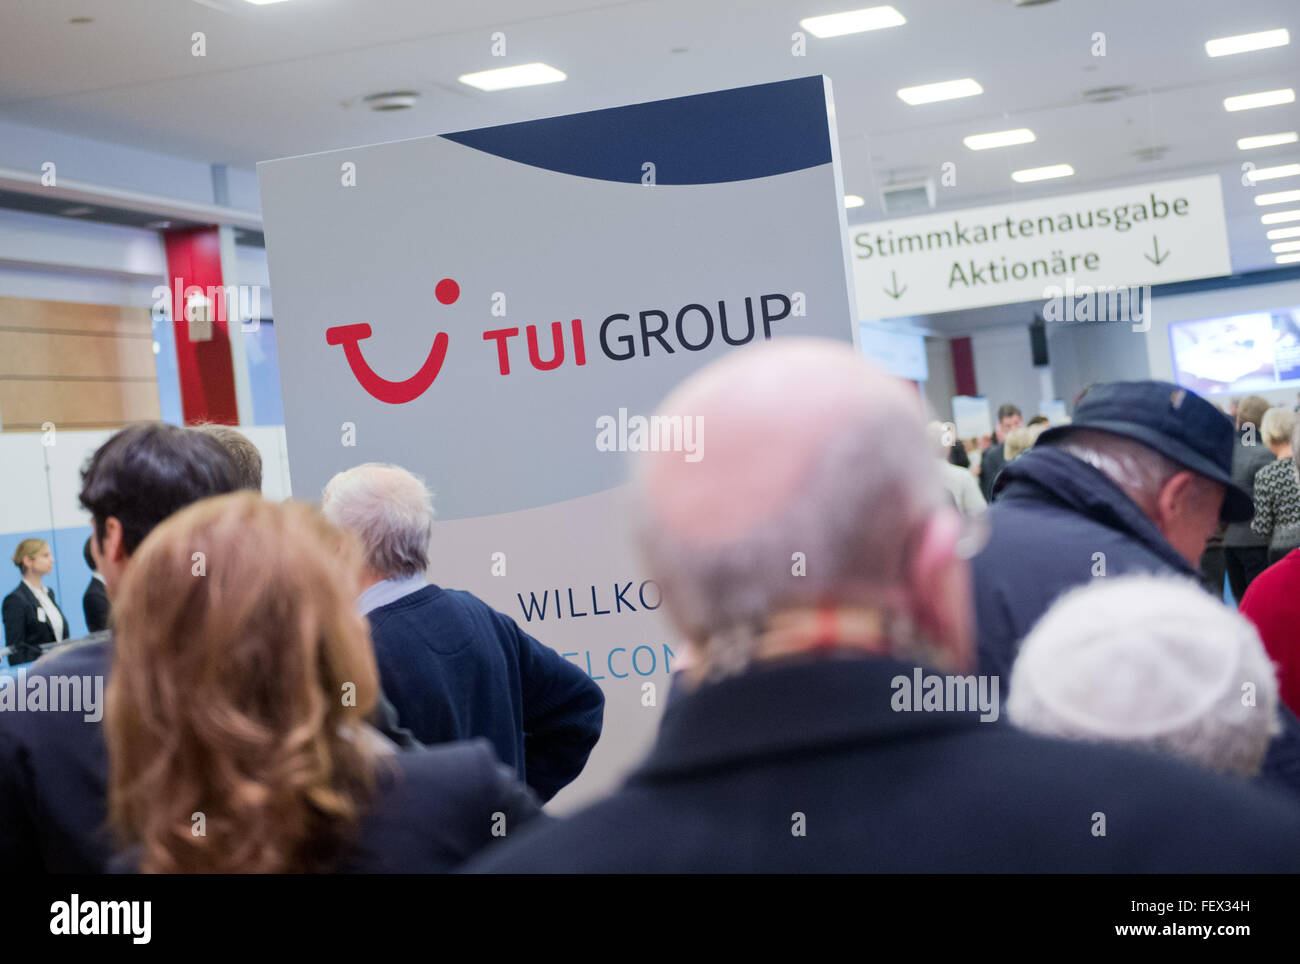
<point>242,678</point>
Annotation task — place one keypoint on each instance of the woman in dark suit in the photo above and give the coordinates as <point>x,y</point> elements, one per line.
<point>31,616</point>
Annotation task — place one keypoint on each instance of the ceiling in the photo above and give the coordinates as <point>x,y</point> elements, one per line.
<point>287,78</point>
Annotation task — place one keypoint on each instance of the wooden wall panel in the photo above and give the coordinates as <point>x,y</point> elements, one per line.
<point>79,366</point>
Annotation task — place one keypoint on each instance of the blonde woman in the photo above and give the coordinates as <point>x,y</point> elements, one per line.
<point>31,616</point>
<point>242,677</point>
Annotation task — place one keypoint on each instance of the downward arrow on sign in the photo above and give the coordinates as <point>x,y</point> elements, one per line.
<point>1155,247</point>
<point>896,292</point>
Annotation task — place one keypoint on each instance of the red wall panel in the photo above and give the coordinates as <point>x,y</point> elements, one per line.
<point>963,367</point>
<point>207,373</point>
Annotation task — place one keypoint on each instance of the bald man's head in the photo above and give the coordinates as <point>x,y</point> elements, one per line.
<point>817,487</point>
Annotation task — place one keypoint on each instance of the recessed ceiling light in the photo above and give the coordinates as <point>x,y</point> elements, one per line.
<point>159,225</point>
<point>1266,140</point>
<point>1285,246</point>
<point>263,3</point>
<point>982,142</point>
<point>1287,258</point>
<point>944,90</point>
<point>1042,173</point>
<point>503,78</point>
<point>853,201</point>
<point>1265,98</point>
<point>1271,173</point>
<point>1281,197</point>
<point>1281,217</point>
<point>1246,42</point>
<point>76,212</point>
<point>1277,234</point>
<point>391,100</point>
<point>853,21</point>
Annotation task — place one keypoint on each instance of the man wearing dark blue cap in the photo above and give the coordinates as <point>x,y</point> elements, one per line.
<point>1136,483</point>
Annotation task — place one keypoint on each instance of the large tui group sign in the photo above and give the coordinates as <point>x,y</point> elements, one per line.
<point>501,310</point>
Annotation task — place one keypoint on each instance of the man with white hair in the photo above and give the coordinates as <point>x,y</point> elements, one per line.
<point>1137,482</point>
<point>1149,662</point>
<point>810,561</point>
<point>452,666</point>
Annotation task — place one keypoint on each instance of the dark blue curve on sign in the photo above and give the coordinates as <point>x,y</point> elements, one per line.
<point>731,135</point>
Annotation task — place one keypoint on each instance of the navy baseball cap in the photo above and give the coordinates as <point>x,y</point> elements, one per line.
<point>1177,423</point>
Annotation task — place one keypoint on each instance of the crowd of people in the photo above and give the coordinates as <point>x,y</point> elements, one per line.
<point>287,691</point>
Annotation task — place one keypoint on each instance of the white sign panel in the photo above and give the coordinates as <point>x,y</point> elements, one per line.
<point>971,414</point>
<point>1145,234</point>
<point>896,350</point>
<point>477,306</point>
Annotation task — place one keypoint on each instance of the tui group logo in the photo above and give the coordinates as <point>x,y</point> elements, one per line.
<point>622,336</point>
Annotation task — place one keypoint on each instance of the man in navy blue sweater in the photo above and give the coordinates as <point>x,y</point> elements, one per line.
<point>454,667</point>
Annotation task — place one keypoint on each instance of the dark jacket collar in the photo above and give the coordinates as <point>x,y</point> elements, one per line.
<point>1050,475</point>
<point>789,706</point>
<point>22,584</point>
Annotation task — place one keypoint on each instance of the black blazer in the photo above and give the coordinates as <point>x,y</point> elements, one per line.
<point>95,605</point>
<point>808,766</point>
<point>26,625</point>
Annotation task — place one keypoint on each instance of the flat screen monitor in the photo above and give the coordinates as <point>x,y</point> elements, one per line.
<point>1237,353</point>
<point>896,350</point>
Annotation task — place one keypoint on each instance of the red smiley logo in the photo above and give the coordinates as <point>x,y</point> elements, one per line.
<point>394,393</point>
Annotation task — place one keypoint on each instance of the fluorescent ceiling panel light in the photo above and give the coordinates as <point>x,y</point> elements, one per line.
<point>853,201</point>
<point>1277,234</point>
<point>853,21</point>
<point>982,142</point>
<point>945,90</point>
<point>1272,173</point>
<point>1042,173</point>
<point>1285,246</point>
<point>1287,258</point>
<point>1266,140</point>
<point>263,3</point>
<point>1246,42</point>
<point>1265,98</point>
<point>1281,197</point>
<point>503,78</point>
<point>1281,217</point>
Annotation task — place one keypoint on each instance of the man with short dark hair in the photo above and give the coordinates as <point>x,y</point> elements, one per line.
<point>53,765</point>
<point>994,457</point>
<point>94,602</point>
